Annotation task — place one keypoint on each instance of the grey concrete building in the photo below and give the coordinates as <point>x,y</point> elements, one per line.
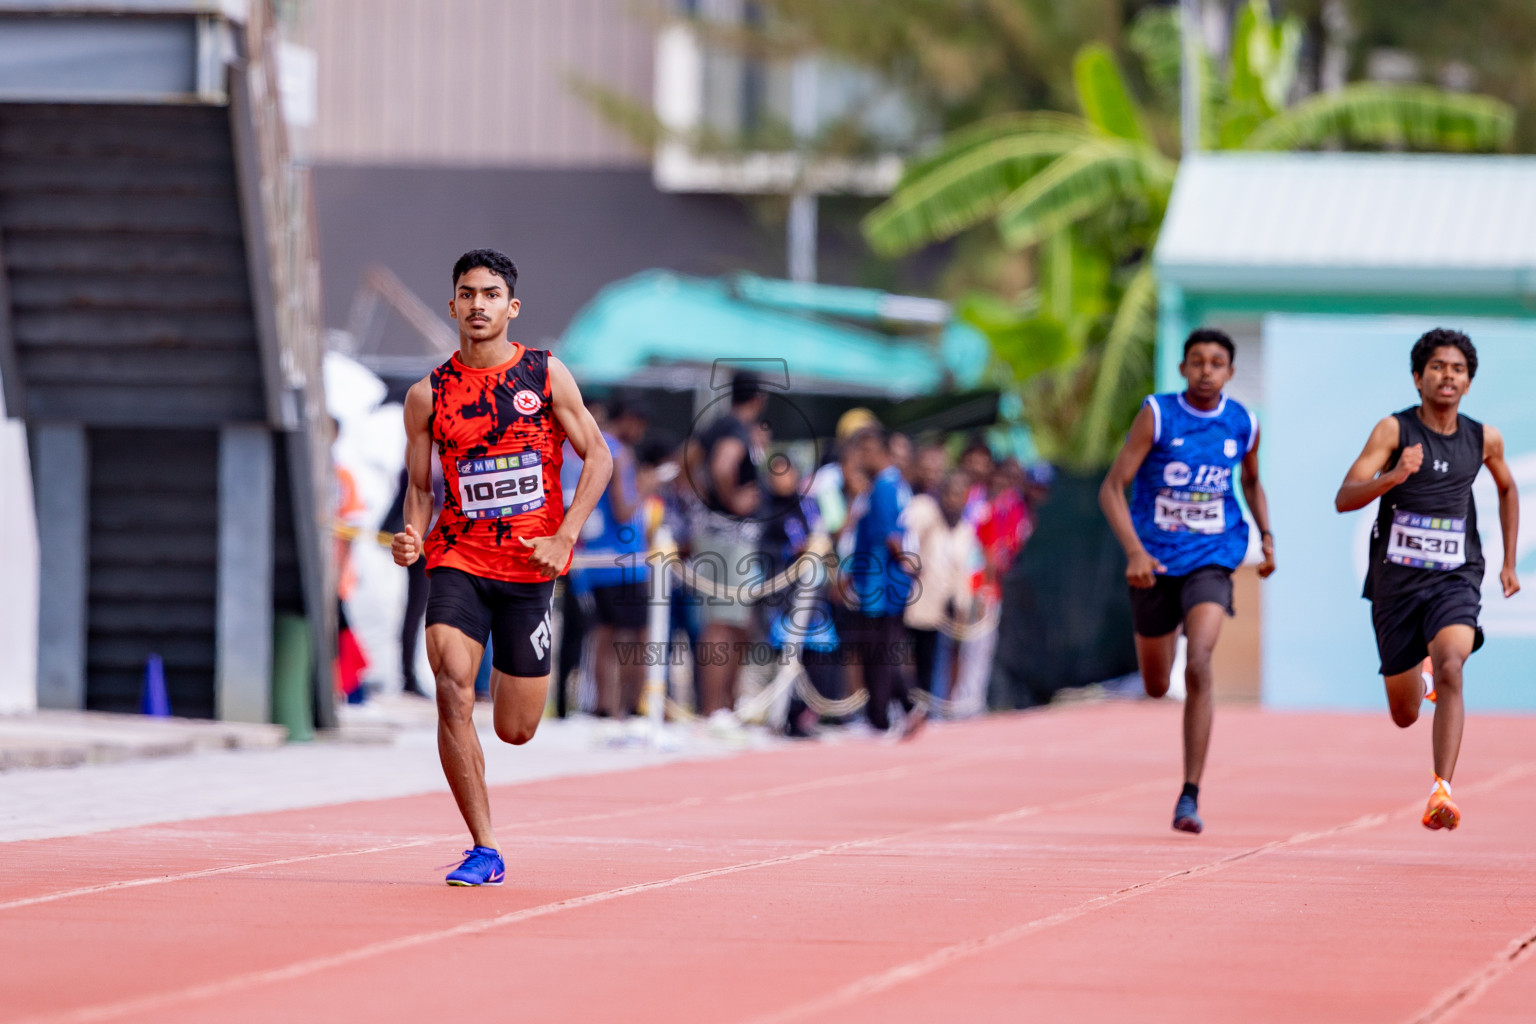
<point>160,337</point>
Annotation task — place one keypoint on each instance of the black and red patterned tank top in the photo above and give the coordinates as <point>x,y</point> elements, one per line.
<point>500,445</point>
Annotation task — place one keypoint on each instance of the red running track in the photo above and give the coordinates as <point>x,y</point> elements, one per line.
<point>1015,868</point>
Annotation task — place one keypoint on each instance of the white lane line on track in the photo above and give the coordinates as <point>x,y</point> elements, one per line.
<point>913,969</point>
<point>850,779</point>
<point>1458,997</point>
<point>230,869</point>
<point>303,968</point>
<point>1451,1002</point>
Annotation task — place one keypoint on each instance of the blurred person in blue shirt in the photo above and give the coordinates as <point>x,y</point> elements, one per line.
<point>880,577</point>
<point>614,593</point>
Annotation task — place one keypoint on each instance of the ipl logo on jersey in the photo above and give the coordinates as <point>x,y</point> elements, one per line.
<point>1176,474</point>
<point>527,402</point>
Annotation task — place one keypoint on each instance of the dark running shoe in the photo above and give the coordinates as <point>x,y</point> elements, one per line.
<point>1186,816</point>
<point>482,866</point>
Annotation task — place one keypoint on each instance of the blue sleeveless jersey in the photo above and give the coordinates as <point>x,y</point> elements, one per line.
<point>604,538</point>
<point>1184,499</point>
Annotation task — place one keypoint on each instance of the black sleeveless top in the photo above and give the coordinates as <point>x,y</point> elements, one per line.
<point>1426,526</point>
<point>746,471</point>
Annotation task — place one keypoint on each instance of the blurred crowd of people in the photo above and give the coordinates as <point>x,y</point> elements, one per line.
<point>909,538</point>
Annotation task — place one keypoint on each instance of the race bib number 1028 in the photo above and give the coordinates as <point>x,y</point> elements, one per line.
<point>507,485</point>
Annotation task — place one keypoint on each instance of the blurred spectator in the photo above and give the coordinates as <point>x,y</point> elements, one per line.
<point>680,508</point>
<point>1037,488</point>
<point>416,584</point>
<point>726,538</point>
<point>573,617</point>
<point>796,617</point>
<point>351,661</point>
<point>948,553</point>
<point>827,487</point>
<point>976,460</point>
<point>902,456</point>
<point>929,468</point>
<point>880,580</point>
<point>614,593</point>
<point>655,470</point>
<point>1002,522</point>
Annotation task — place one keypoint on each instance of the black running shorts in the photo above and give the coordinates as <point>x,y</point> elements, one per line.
<point>622,606</point>
<point>1159,609</point>
<point>514,615</point>
<point>1406,622</point>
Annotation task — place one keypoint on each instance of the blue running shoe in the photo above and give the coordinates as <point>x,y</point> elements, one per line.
<point>1186,816</point>
<point>482,866</point>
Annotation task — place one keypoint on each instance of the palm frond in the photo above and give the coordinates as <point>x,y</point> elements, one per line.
<point>963,192</point>
<point>1378,114</point>
<point>1103,95</point>
<point>1125,354</point>
<point>988,130</point>
<point>1028,340</point>
<point>1081,182</point>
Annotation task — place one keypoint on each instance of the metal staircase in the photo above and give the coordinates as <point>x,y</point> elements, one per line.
<point>159,333</point>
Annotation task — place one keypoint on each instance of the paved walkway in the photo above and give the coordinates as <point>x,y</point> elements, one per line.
<point>389,751</point>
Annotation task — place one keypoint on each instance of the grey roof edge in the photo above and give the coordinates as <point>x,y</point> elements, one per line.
<point>1233,156</point>
<point>233,10</point>
<point>1514,281</point>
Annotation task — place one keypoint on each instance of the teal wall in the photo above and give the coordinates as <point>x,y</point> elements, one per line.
<point>1180,310</point>
<point>1328,379</point>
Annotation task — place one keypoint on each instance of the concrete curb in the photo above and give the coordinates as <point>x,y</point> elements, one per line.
<point>61,739</point>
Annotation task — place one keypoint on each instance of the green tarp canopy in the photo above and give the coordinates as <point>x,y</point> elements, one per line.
<point>669,330</point>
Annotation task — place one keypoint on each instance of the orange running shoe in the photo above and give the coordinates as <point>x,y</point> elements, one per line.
<point>1441,812</point>
<point>1427,672</point>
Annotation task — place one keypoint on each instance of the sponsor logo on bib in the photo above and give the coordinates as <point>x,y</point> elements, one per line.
<point>1176,474</point>
<point>527,402</point>
<point>501,487</point>
<point>1427,542</point>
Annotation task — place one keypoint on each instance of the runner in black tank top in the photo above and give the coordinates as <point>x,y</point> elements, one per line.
<point>1425,576</point>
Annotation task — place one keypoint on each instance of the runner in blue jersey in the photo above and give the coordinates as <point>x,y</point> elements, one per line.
<point>1183,533</point>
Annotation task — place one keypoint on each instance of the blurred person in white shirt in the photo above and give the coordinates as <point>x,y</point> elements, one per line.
<point>948,554</point>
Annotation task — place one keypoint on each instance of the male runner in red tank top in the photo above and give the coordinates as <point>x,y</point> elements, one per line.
<point>498,414</point>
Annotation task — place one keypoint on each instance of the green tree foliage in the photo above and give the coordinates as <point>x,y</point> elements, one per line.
<point>1090,191</point>
<point>1485,44</point>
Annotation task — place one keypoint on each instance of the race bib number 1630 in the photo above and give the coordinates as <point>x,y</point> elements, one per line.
<point>1427,542</point>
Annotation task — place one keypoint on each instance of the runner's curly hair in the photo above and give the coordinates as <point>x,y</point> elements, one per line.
<point>1442,337</point>
<point>492,260</point>
<point>1211,336</point>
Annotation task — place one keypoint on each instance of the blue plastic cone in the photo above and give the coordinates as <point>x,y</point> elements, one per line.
<point>154,701</point>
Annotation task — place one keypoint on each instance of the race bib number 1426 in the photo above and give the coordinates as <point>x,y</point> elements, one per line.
<point>1190,512</point>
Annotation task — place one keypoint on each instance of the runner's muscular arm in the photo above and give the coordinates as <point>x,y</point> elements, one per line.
<point>1141,568</point>
<point>1509,506</point>
<point>1366,481</point>
<point>407,544</point>
<point>550,553</point>
<point>1258,507</point>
